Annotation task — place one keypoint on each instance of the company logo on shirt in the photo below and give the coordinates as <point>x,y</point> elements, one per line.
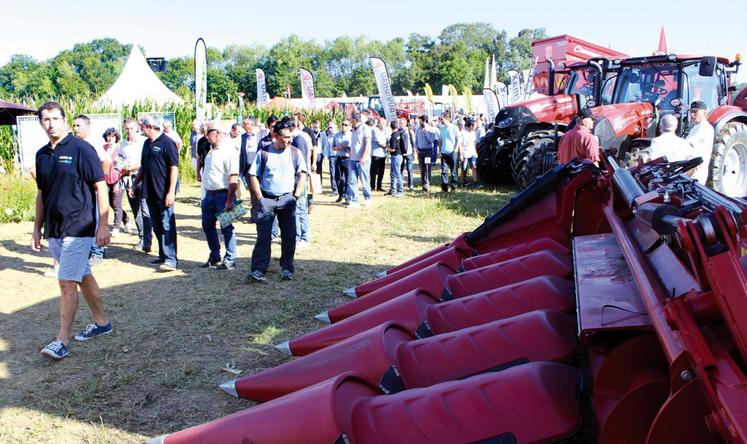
<point>156,149</point>
<point>65,160</point>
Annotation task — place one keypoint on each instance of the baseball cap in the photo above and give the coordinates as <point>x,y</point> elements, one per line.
<point>698,104</point>
<point>585,113</point>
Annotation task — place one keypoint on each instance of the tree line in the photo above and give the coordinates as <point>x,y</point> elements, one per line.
<point>340,66</point>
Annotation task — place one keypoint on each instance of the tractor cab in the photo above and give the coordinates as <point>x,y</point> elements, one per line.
<point>670,83</point>
<point>593,82</point>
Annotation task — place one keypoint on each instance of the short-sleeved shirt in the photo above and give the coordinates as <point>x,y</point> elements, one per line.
<point>157,159</point>
<point>701,138</point>
<point>278,175</point>
<point>358,139</point>
<point>580,143</point>
<point>379,140</point>
<point>131,153</point>
<point>220,163</point>
<point>66,176</point>
<point>672,146</point>
<point>468,144</point>
<point>342,138</point>
<point>449,138</point>
<point>302,141</point>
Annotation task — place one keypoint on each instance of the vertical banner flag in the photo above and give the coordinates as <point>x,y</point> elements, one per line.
<point>491,103</point>
<point>502,92</point>
<point>514,86</point>
<point>529,82</point>
<point>468,100</point>
<point>385,88</point>
<point>493,74</point>
<point>307,89</point>
<point>486,82</point>
<point>429,92</point>
<point>200,79</point>
<point>261,88</point>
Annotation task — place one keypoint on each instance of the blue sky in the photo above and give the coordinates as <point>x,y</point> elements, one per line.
<point>41,28</point>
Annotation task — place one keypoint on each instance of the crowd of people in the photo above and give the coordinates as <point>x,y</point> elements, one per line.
<point>276,166</point>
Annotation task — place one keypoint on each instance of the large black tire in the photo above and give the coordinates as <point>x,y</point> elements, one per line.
<point>544,158</point>
<point>490,168</point>
<point>728,173</point>
<point>523,172</point>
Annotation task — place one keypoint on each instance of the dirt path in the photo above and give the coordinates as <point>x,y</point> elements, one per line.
<point>160,370</point>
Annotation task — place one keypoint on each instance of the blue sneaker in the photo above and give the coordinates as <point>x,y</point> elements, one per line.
<point>55,350</point>
<point>93,330</point>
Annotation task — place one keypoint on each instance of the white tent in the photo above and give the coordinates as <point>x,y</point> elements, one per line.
<point>137,83</point>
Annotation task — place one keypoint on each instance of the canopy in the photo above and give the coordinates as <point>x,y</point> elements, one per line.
<point>9,112</point>
<point>137,84</point>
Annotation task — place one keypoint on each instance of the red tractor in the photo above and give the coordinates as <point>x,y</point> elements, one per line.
<point>522,128</point>
<point>648,87</point>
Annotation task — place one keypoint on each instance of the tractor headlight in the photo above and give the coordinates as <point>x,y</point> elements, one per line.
<point>505,122</point>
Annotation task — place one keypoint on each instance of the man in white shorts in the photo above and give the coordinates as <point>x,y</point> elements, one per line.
<point>70,183</point>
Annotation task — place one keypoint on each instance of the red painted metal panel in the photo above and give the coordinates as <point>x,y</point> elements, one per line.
<point>542,244</point>
<point>407,311</point>
<point>451,256</point>
<point>541,263</point>
<point>544,292</point>
<point>535,402</point>
<point>607,296</point>
<point>535,336</point>
<point>369,354</point>
<point>431,279</point>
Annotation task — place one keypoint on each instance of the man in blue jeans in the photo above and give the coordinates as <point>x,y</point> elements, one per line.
<point>277,178</point>
<point>220,177</point>
<point>397,146</point>
<point>449,152</point>
<point>159,169</point>
<point>360,161</point>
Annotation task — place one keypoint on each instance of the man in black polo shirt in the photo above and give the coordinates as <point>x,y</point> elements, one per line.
<point>159,170</point>
<point>70,182</point>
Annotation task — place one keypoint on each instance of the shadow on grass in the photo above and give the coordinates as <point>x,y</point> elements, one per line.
<point>158,372</point>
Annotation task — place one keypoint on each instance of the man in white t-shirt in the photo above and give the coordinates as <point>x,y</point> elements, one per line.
<point>669,144</point>
<point>701,138</point>
<point>220,176</point>
<point>130,153</point>
<point>468,154</point>
<point>360,161</point>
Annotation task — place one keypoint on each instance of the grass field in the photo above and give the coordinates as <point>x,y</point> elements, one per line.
<point>160,370</point>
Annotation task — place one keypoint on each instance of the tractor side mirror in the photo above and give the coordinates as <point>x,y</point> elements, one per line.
<point>732,88</point>
<point>707,66</point>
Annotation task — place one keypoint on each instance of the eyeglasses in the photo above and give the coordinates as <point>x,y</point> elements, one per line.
<point>211,130</point>
<point>345,124</point>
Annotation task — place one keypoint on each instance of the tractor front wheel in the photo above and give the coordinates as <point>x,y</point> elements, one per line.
<point>527,165</point>
<point>729,164</point>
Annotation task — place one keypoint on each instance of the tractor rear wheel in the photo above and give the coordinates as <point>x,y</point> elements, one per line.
<point>523,155</point>
<point>729,164</point>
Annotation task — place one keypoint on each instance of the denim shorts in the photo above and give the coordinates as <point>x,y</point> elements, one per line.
<point>72,253</point>
<point>469,162</point>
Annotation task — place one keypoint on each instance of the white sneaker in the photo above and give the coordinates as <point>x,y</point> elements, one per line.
<point>115,232</point>
<point>367,202</point>
<point>51,272</point>
<point>303,244</point>
<point>354,205</point>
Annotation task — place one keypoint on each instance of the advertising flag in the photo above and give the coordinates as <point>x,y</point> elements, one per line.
<point>307,89</point>
<point>385,88</point>
<point>200,80</point>
<point>514,86</point>
<point>261,88</point>
<point>491,103</point>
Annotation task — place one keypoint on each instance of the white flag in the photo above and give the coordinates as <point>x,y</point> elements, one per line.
<point>261,88</point>
<point>501,91</point>
<point>307,89</point>
<point>491,103</point>
<point>200,79</point>
<point>385,88</point>
<point>486,82</point>
<point>514,87</point>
